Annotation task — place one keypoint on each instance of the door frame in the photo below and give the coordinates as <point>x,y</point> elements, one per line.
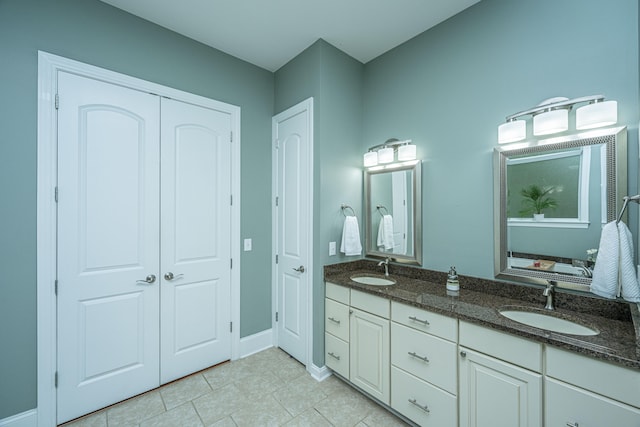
<point>306,105</point>
<point>48,67</point>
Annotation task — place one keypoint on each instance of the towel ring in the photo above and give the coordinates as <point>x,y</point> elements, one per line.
<point>379,208</point>
<point>626,201</point>
<point>345,207</point>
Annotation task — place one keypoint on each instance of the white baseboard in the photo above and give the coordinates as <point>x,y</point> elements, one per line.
<point>25,419</point>
<point>319,373</point>
<point>256,343</point>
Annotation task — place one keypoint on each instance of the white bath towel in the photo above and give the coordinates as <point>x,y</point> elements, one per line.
<point>614,274</point>
<point>605,274</point>
<point>351,237</point>
<point>628,276</point>
<point>385,233</point>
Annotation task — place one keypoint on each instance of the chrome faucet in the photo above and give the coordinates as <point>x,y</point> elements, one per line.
<point>548,292</point>
<point>586,271</point>
<point>386,265</point>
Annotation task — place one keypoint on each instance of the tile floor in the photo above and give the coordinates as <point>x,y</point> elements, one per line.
<point>265,389</point>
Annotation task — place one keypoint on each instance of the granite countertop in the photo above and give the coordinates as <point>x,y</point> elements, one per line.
<point>479,300</point>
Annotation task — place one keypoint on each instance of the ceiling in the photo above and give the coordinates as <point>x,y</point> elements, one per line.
<point>269,33</point>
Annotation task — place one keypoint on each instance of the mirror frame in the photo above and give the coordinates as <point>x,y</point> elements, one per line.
<point>416,258</point>
<point>615,140</point>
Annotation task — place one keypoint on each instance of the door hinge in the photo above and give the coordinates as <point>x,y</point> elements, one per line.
<point>231,137</point>
<point>55,380</point>
<point>276,316</point>
<point>231,199</point>
<point>230,326</point>
<point>277,143</point>
<point>55,287</point>
<point>231,263</point>
<point>55,194</point>
<point>277,200</point>
<point>57,101</point>
<point>276,258</point>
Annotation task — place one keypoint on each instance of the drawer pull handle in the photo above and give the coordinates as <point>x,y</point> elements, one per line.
<point>572,425</point>
<point>423,358</point>
<point>334,356</point>
<point>414,402</point>
<point>415,319</point>
<point>334,320</point>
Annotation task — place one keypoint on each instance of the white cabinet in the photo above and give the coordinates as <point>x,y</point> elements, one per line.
<point>369,354</point>
<point>336,326</point>
<point>424,366</point>
<point>566,405</point>
<point>493,390</point>
<point>585,392</point>
<point>438,371</point>
<point>357,339</point>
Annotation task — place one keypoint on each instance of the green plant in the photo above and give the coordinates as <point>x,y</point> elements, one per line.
<point>536,199</point>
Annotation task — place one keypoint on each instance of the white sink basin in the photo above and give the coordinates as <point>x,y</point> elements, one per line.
<point>373,280</point>
<point>549,323</point>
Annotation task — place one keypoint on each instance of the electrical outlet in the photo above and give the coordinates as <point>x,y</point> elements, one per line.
<point>332,248</point>
<point>247,245</point>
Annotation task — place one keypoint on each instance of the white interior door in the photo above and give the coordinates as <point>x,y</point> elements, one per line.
<point>400,213</point>
<point>196,233</point>
<point>108,169</point>
<point>292,130</point>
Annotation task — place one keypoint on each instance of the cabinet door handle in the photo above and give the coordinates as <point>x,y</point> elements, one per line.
<point>414,402</point>
<point>334,320</point>
<point>572,425</point>
<point>423,358</point>
<point>334,356</point>
<point>415,319</point>
<point>463,354</point>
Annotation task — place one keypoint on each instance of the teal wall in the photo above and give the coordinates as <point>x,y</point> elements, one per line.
<point>449,88</point>
<point>334,80</point>
<point>98,34</point>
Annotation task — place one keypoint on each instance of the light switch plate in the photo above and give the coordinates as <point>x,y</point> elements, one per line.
<point>247,244</point>
<point>332,248</point>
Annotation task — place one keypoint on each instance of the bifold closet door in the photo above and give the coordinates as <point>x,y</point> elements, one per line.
<point>108,244</point>
<point>195,236</point>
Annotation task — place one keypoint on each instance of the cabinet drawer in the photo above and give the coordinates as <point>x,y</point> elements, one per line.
<point>336,355</point>
<point>336,319</point>
<point>616,382</point>
<point>337,292</point>
<point>410,348</point>
<point>426,321</point>
<point>567,405</point>
<point>421,402</point>
<point>370,303</point>
<point>518,351</point>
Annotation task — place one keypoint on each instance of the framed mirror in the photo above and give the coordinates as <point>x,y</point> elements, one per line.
<point>393,213</point>
<point>552,198</point>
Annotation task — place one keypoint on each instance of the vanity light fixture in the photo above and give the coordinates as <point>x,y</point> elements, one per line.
<point>552,116</point>
<point>383,154</point>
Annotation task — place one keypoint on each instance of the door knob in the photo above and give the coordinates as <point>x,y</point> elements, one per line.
<point>299,269</point>
<point>170,276</point>
<point>149,279</point>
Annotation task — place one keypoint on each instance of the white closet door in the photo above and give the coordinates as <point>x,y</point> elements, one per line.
<point>108,168</point>
<point>195,235</point>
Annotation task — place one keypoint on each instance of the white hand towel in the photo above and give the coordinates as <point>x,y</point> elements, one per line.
<point>385,233</point>
<point>605,274</point>
<point>628,276</point>
<point>614,274</point>
<point>350,244</point>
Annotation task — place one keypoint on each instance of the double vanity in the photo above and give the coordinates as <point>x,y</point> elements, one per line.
<point>490,355</point>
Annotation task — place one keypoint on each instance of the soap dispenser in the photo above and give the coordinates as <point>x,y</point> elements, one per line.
<point>452,280</point>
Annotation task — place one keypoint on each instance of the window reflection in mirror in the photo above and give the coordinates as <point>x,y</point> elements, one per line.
<point>552,199</point>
